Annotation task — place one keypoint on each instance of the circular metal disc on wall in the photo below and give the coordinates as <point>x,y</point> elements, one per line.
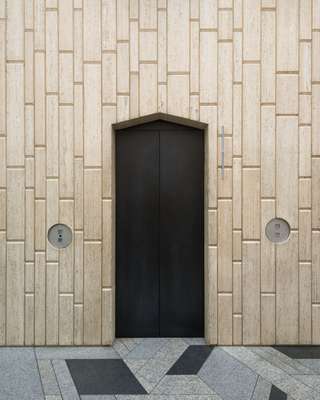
<point>60,236</point>
<point>277,230</point>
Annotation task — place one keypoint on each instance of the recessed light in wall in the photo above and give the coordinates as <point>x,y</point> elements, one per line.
<point>277,230</point>
<point>60,236</point>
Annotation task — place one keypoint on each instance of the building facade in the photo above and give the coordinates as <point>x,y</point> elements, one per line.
<point>73,72</point>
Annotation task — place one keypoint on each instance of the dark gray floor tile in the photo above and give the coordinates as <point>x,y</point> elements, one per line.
<point>191,360</point>
<point>302,352</point>
<point>277,394</point>
<point>103,377</point>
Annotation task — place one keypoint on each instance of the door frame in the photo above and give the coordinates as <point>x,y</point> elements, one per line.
<point>210,293</point>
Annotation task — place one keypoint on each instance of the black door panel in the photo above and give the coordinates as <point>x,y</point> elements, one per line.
<point>159,231</point>
<point>181,233</point>
<point>137,234</point>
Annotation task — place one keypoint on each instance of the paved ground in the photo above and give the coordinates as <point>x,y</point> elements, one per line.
<point>160,369</point>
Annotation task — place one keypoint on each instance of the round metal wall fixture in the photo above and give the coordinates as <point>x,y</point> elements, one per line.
<point>277,230</point>
<point>60,236</point>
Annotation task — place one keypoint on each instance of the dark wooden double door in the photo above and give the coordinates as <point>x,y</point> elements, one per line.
<point>159,231</point>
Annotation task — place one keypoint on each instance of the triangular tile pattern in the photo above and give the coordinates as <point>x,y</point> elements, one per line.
<point>183,369</point>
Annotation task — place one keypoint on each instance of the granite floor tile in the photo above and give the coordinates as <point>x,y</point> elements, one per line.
<point>277,394</point>
<point>262,390</point>
<point>19,375</point>
<point>280,360</point>
<point>173,349</point>
<point>53,397</point>
<point>121,349</point>
<point>131,343</point>
<point>147,348</point>
<point>107,377</point>
<point>134,365</point>
<point>153,371</point>
<point>170,397</point>
<point>300,351</point>
<point>228,377</point>
<point>195,341</point>
<point>48,378</point>
<point>311,364</point>
<point>63,353</point>
<point>188,385</point>
<point>98,397</point>
<point>191,360</point>
<point>275,375</point>
<point>310,380</point>
<point>66,384</point>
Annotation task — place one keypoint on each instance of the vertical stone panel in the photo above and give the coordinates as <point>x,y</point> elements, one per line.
<point>287,169</point>
<point>251,292</point>
<point>15,294</point>
<point>251,115</point>
<point>15,115</point>
<point>251,203</point>
<point>287,35</point>
<point>92,30</point>
<point>178,36</point>
<point>287,304</point>
<point>92,293</point>
<point>208,67</point>
<point>92,204</point>
<point>92,115</point>
<point>251,30</point>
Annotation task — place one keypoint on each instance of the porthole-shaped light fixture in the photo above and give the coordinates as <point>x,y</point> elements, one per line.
<point>60,236</point>
<point>278,230</point>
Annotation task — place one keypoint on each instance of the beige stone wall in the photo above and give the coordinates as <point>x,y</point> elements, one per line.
<point>71,68</point>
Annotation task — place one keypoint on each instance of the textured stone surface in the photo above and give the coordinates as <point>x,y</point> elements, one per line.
<point>181,384</point>
<point>281,360</point>
<point>147,348</point>
<point>19,375</point>
<point>152,372</point>
<point>98,397</point>
<point>262,390</point>
<point>229,373</point>
<point>48,378</point>
<point>228,377</point>
<point>273,374</point>
<point>310,380</point>
<point>67,388</point>
<point>63,353</point>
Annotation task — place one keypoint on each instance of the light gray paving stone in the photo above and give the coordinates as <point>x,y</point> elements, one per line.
<point>168,397</point>
<point>53,397</point>
<point>48,378</point>
<point>173,349</point>
<point>64,353</point>
<point>153,371</point>
<point>66,385</point>
<point>280,360</point>
<point>130,343</point>
<point>275,375</point>
<point>195,341</point>
<point>312,364</point>
<point>147,348</point>
<point>182,384</point>
<point>227,376</point>
<point>120,348</point>
<point>98,397</point>
<point>310,380</point>
<point>134,365</point>
<point>19,375</point>
<point>262,390</point>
